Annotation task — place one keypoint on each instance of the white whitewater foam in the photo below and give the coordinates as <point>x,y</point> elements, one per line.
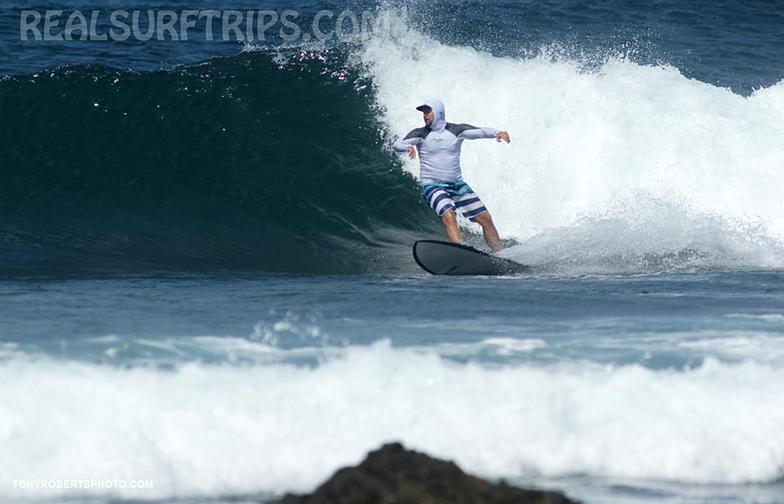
<point>773,318</point>
<point>497,346</point>
<point>748,346</point>
<point>640,159</point>
<point>219,430</point>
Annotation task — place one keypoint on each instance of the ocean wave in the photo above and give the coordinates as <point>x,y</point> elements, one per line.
<point>243,162</point>
<point>621,167</point>
<point>279,161</point>
<point>256,428</point>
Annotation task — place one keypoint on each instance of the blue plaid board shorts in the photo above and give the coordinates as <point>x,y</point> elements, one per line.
<point>443,196</point>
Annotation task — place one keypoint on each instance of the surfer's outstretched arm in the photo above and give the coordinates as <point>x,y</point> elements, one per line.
<point>403,144</point>
<point>468,132</point>
<point>413,139</point>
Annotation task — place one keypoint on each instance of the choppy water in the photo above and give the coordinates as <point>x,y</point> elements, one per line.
<point>610,387</point>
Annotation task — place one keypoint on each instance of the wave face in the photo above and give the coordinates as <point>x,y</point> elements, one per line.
<point>250,161</point>
<point>281,163</point>
<point>626,166</point>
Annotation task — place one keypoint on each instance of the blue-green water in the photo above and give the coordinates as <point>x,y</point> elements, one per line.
<point>613,388</point>
<point>663,321</point>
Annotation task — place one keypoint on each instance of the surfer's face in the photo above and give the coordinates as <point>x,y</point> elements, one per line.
<point>428,115</point>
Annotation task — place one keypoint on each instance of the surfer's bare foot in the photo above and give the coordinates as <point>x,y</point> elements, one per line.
<point>485,220</point>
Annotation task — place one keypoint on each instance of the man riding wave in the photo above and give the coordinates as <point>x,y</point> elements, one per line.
<point>440,176</point>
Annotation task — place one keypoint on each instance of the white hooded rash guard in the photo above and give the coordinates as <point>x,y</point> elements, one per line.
<point>439,145</point>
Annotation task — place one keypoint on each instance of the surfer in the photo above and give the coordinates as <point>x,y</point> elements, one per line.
<point>443,187</point>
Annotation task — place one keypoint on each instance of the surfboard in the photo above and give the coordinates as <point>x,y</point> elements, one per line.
<point>446,258</point>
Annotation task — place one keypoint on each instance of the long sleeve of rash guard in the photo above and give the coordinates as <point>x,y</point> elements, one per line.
<point>476,133</point>
<point>414,138</point>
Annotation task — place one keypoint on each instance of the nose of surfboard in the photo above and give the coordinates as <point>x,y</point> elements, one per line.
<point>446,258</point>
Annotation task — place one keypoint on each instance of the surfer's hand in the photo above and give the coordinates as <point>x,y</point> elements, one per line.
<point>411,151</point>
<point>502,135</point>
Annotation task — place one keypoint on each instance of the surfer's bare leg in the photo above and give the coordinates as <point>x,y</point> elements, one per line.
<point>450,223</point>
<point>485,220</point>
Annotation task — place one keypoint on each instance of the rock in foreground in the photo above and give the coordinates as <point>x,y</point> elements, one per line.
<point>394,474</point>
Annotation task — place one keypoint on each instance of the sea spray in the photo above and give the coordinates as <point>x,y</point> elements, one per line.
<point>587,143</point>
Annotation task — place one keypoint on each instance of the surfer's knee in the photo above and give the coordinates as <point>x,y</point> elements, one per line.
<point>449,215</point>
<point>449,218</point>
<point>484,218</point>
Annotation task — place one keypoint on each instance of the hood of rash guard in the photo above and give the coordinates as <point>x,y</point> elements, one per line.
<point>439,121</point>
